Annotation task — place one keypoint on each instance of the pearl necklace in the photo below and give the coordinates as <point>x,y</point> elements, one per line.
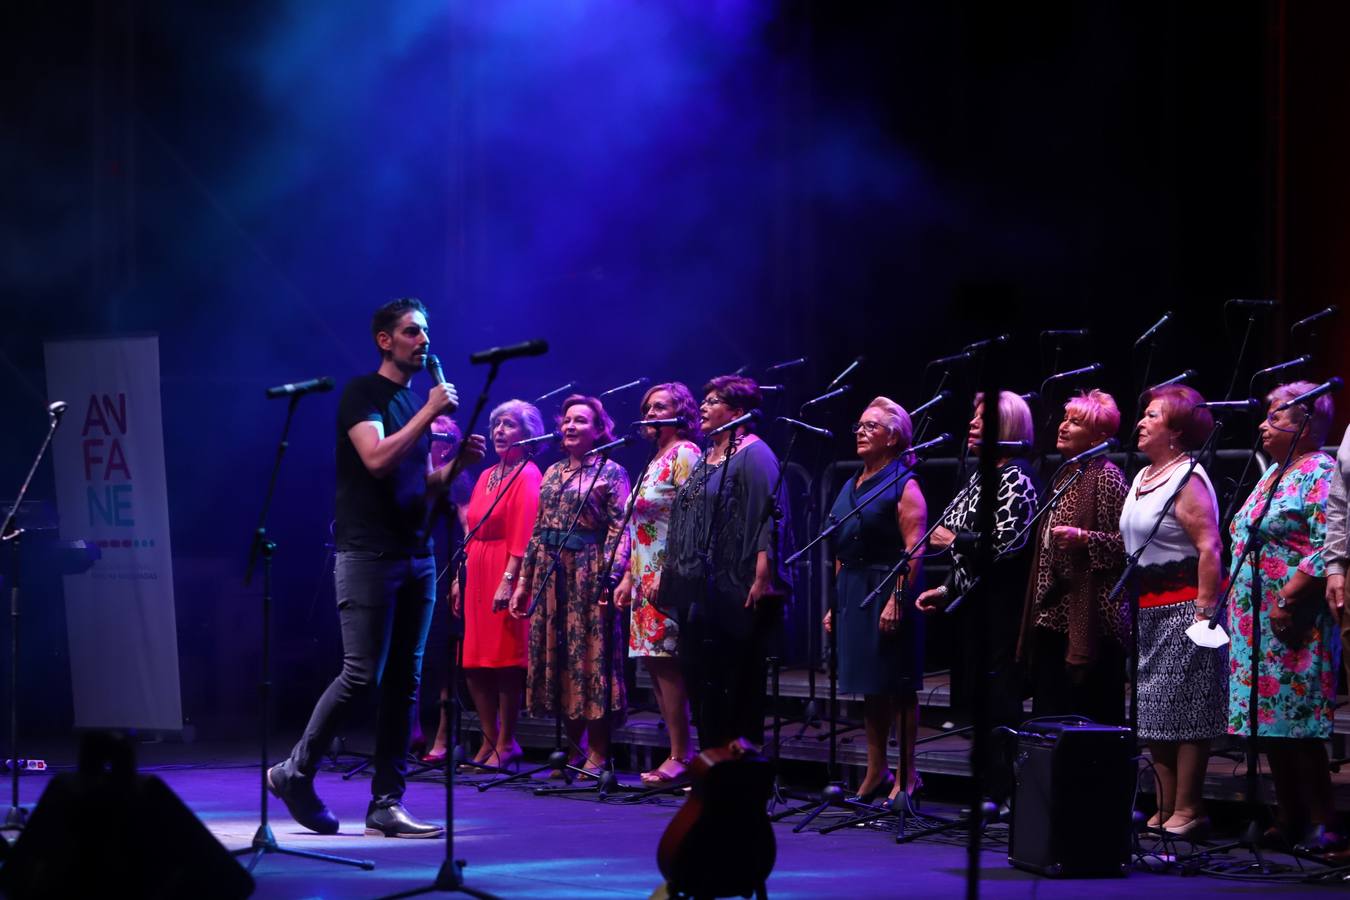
<point>1152,479</point>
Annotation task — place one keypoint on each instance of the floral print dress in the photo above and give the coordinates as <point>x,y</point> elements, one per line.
<point>586,677</point>
<point>1296,683</point>
<point>654,632</point>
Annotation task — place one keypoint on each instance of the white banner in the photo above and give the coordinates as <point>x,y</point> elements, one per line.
<point>110,488</point>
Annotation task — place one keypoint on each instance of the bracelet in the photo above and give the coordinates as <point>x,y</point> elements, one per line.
<point>942,590</point>
<point>507,576</point>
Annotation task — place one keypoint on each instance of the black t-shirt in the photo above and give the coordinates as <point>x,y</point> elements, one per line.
<point>381,514</point>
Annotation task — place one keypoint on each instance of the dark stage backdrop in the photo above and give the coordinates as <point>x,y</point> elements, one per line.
<point>668,190</point>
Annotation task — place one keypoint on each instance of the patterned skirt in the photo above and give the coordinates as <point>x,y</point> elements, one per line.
<point>1183,688</point>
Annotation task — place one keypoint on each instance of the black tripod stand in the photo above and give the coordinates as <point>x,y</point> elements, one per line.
<point>10,533</point>
<point>264,841</point>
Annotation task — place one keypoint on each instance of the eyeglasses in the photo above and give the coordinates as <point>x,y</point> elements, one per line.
<point>869,427</point>
<point>711,401</point>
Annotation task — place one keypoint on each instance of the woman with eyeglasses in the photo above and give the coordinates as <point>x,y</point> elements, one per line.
<point>880,647</point>
<point>724,571</point>
<point>1296,672</point>
<point>654,635</point>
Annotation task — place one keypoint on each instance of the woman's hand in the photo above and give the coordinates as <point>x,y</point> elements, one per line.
<point>1336,597</point>
<point>519,602</point>
<point>759,589</point>
<point>891,615</point>
<point>501,600</point>
<point>456,602</point>
<point>623,594</point>
<point>932,600</point>
<point>941,538</point>
<point>1069,537</point>
<point>1282,620</point>
<point>828,621</point>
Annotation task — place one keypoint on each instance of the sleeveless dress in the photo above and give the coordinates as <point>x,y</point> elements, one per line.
<point>1182,686</point>
<point>867,546</point>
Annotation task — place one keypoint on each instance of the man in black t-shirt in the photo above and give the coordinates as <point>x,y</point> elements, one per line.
<point>385,572</point>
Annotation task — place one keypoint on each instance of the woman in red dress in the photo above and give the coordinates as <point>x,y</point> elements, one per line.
<point>494,640</point>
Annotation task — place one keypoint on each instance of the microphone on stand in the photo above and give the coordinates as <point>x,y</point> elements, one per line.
<point>56,409</point>
<point>1251,404</point>
<point>1305,358</point>
<point>612,445</point>
<point>312,386</point>
<point>537,439</point>
<point>1015,448</point>
<point>735,423</point>
<point>790,364</point>
<point>1066,332</point>
<point>795,423</point>
<point>636,382</point>
<point>1329,386</point>
<point>987,342</point>
<point>1175,379</point>
<point>501,354</point>
<point>658,423</point>
<point>1252,304</point>
<point>1166,317</point>
<point>839,379</point>
<point>937,398</point>
<point>555,392</point>
<point>770,388</point>
<point>962,357</point>
<point>1030,396</point>
<point>829,395</point>
<point>1072,373</point>
<point>929,445</point>
<point>1101,449</point>
<point>1315,317</point>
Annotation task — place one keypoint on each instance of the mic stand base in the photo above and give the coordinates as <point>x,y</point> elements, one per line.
<point>265,842</point>
<point>449,880</point>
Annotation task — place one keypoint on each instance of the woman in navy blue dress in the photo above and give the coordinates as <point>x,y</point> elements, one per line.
<point>880,647</point>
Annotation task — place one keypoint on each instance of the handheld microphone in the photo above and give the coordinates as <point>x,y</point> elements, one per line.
<point>538,438</point>
<point>1176,379</point>
<point>839,379</point>
<point>1251,404</point>
<point>612,445</point>
<point>790,364</point>
<point>1073,373</point>
<point>658,423</point>
<point>1305,358</point>
<point>555,392</point>
<point>1015,446</point>
<point>56,409</point>
<point>937,398</point>
<point>1101,449</point>
<point>1066,332</point>
<point>501,354</point>
<point>827,396</point>
<point>1252,304</point>
<point>300,388</point>
<point>636,382</point>
<point>434,368</point>
<point>929,445</point>
<point>987,342</point>
<point>820,432</point>
<point>1329,386</point>
<point>1166,317</point>
<point>735,423</point>
<point>1315,317</point>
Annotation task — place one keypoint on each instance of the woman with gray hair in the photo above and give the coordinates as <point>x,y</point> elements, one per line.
<point>881,646</point>
<point>502,508</point>
<point>1296,672</point>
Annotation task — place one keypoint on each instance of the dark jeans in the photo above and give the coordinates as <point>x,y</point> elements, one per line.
<point>384,607</point>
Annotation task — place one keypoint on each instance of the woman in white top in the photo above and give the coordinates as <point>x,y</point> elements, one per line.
<point>1182,687</point>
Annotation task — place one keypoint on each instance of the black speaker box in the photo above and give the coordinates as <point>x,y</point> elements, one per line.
<point>108,831</point>
<point>1073,800</point>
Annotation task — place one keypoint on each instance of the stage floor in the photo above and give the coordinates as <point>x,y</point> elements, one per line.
<point>518,845</point>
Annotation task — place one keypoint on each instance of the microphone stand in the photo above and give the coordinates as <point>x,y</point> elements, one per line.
<point>450,876</point>
<point>10,533</point>
<point>1150,346</point>
<point>557,760</point>
<point>264,548</point>
<point>1256,541</point>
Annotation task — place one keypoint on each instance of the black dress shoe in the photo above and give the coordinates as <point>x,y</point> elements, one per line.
<point>297,792</point>
<point>1319,842</point>
<point>396,822</point>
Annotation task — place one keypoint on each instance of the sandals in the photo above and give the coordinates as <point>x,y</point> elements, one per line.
<point>669,771</point>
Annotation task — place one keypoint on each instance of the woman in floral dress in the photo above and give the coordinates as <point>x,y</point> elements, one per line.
<point>1296,679</point>
<point>654,635</point>
<point>583,679</point>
